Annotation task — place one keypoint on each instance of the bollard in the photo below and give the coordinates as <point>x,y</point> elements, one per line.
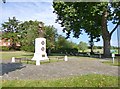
<point>100,56</point>
<point>113,56</point>
<point>66,59</point>
<point>13,59</point>
<point>37,62</point>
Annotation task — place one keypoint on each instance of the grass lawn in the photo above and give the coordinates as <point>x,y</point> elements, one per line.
<point>116,63</point>
<point>21,54</point>
<point>9,54</point>
<point>91,80</point>
<point>6,55</point>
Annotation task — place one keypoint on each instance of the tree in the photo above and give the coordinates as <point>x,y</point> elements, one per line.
<point>50,35</point>
<point>11,31</point>
<point>76,16</point>
<point>64,45</point>
<point>91,42</point>
<point>61,42</point>
<point>83,46</point>
<point>28,32</point>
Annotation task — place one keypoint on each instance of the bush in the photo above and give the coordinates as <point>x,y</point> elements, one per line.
<point>4,48</point>
<point>65,50</point>
<point>99,47</point>
<point>83,46</point>
<point>28,48</point>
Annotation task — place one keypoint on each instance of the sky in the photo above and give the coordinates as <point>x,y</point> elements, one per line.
<point>42,10</point>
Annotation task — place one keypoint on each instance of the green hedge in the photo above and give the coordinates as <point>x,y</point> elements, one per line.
<point>4,48</point>
<point>28,48</point>
<point>65,50</point>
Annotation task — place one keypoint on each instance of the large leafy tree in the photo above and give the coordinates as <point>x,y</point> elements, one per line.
<point>50,35</point>
<point>93,17</point>
<point>28,33</point>
<point>83,46</point>
<point>63,43</point>
<point>11,31</point>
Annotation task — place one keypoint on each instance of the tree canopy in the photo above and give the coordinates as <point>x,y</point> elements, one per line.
<point>83,46</point>
<point>25,33</point>
<point>28,33</point>
<point>11,30</point>
<point>51,36</point>
<point>92,17</point>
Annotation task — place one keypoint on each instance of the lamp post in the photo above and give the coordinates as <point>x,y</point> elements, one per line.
<point>118,37</point>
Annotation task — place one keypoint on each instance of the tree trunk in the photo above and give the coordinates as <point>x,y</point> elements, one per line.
<point>91,44</point>
<point>105,35</point>
<point>106,44</point>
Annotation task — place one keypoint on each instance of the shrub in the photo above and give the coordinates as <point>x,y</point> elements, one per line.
<point>4,48</point>
<point>64,50</point>
<point>28,48</point>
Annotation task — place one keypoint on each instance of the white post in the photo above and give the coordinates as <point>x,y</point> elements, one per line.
<point>13,59</point>
<point>99,55</point>
<point>37,62</point>
<point>113,60</point>
<point>66,59</point>
<point>113,55</point>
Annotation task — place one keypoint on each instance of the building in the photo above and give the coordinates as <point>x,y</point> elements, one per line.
<point>7,42</point>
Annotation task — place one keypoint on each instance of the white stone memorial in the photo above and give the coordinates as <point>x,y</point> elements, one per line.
<point>40,50</point>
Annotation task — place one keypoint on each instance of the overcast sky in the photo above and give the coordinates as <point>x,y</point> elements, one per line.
<point>41,10</point>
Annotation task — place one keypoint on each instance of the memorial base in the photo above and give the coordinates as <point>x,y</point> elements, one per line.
<point>39,56</point>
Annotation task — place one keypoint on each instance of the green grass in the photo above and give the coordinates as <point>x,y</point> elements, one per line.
<point>9,54</point>
<point>116,63</point>
<point>42,62</point>
<point>0,83</point>
<point>91,80</point>
<point>21,54</point>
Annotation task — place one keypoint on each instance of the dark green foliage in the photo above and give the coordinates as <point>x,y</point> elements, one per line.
<point>65,50</point>
<point>63,44</point>
<point>29,48</point>
<point>83,46</point>
<point>51,36</point>
<point>92,17</point>
<point>4,48</point>
<point>29,31</point>
<point>11,31</point>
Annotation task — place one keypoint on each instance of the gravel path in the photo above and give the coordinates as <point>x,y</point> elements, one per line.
<point>74,66</point>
